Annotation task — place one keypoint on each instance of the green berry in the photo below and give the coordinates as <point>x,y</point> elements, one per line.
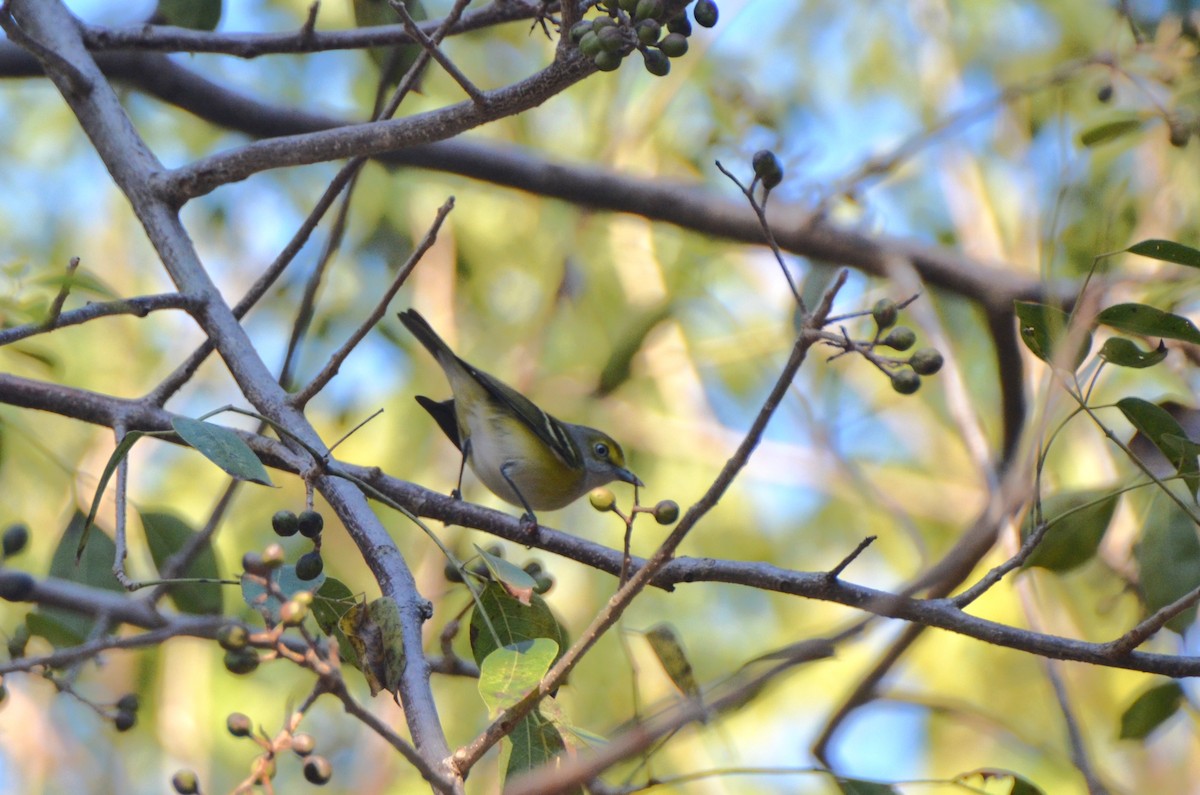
<point>542,584</point>
<point>284,523</point>
<point>705,12</point>
<point>533,568</point>
<point>579,28</point>
<point>612,40</point>
<point>600,23</point>
<point>311,524</point>
<point>241,661</point>
<point>666,511</point>
<point>885,313</point>
<point>674,44</point>
<point>607,61</point>
<point>233,636</point>
<point>648,31</point>
<point>906,382</point>
<point>239,724</point>
<point>589,45</point>
<point>767,168</point>
<point>628,6</point>
<point>656,62</point>
<point>186,782</point>
<point>451,572</point>
<point>926,361</point>
<point>272,556</point>
<point>310,566</point>
<point>648,9</point>
<point>602,499</point>
<point>900,338</point>
<point>15,539</point>
<point>317,770</point>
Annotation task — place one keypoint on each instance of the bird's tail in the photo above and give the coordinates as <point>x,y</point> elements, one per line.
<point>425,334</point>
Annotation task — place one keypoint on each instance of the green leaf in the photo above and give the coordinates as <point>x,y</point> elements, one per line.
<point>1167,251</point>
<point>510,672</point>
<point>289,584</point>
<point>1168,558</point>
<point>1044,327</point>
<point>166,534</point>
<point>515,580</point>
<point>1164,432</point>
<point>223,447</point>
<point>1077,523</point>
<point>668,648</point>
<point>1110,131</point>
<point>1150,710</point>
<point>374,632</point>
<point>1020,784</point>
<point>79,281</point>
<point>114,460</point>
<point>330,602</point>
<point>193,14</point>
<point>1150,322</point>
<point>1126,353</point>
<point>58,625</point>
<point>534,742</point>
<point>513,621</point>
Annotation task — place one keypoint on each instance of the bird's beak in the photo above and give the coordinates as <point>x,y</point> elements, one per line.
<point>627,476</point>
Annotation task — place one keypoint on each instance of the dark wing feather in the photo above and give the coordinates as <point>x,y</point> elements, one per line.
<point>545,427</point>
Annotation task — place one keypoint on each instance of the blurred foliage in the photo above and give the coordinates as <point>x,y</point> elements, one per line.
<point>683,335</point>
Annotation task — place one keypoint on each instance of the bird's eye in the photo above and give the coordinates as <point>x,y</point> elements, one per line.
<point>601,450</point>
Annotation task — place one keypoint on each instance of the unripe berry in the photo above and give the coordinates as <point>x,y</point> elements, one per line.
<point>238,724</point>
<point>311,523</point>
<point>926,361</point>
<point>317,770</point>
<point>656,62</point>
<point>241,661</point>
<point>900,338</point>
<point>285,523</point>
<point>15,539</point>
<point>705,12</point>
<point>303,744</point>
<point>666,511</point>
<point>310,566</point>
<point>602,499</point>
<point>767,168</point>
<point>906,382</point>
<point>674,44</point>
<point>232,636</point>
<point>885,313</point>
<point>185,782</point>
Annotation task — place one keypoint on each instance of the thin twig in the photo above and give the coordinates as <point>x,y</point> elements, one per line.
<point>436,53</point>
<point>56,305</point>
<point>139,306</point>
<point>331,367</point>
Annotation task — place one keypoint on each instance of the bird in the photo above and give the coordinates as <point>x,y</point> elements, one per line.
<point>522,454</point>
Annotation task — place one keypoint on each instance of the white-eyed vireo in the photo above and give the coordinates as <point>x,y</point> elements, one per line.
<point>521,453</point>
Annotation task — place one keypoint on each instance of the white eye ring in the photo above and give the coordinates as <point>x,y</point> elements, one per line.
<point>601,449</point>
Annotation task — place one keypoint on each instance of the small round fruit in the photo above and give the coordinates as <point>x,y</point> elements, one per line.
<point>310,566</point>
<point>926,361</point>
<point>606,61</point>
<point>452,572</point>
<point>186,782</point>
<point>241,661</point>
<point>602,499</point>
<point>901,338</point>
<point>317,770</point>
<point>589,45</point>
<point>252,563</point>
<point>124,721</point>
<point>128,703</point>
<point>767,168</point>
<point>628,6</point>
<point>680,25</point>
<point>311,524</point>
<point>303,598</point>
<point>533,568</point>
<point>16,586</point>
<point>885,313</point>
<point>1179,133</point>
<point>656,62</point>
<point>292,613</point>
<point>674,45</point>
<point>232,637</point>
<point>303,744</point>
<point>906,382</point>
<point>705,12</point>
<point>666,511</point>
<point>285,523</point>
<point>1105,93</point>
<point>272,556</point>
<point>648,9</point>
<point>15,539</point>
<point>648,31</point>
<point>542,584</point>
<point>612,40</point>
<point>600,23</point>
<point>239,724</point>
<point>579,28</point>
